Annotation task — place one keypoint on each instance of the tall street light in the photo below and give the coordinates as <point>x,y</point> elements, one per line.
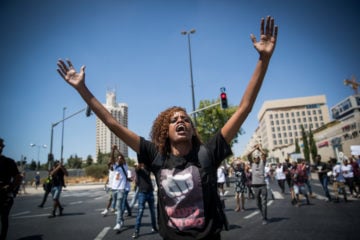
<point>62,136</point>
<point>38,153</point>
<point>51,155</point>
<point>192,31</point>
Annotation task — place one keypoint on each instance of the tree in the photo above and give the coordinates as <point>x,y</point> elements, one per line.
<point>297,147</point>
<point>305,144</point>
<point>313,147</point>
<point>89,160</point>
<point>210,120</point>
<point>74,162</point>
<point>103,158</point>
<point>32,165</point>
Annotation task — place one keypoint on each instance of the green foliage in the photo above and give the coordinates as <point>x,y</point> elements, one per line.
<point>297,146</point>
<point>103,158</point>
<point>97,170</point>
<point>89,160</point>
<point>212,119</point>
<point>74,162</point>
<point>313,147</point>
<point>32,165</point>
<point>305,143</point>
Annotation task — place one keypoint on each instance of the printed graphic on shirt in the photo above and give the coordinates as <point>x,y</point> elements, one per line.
<point>183,199</point>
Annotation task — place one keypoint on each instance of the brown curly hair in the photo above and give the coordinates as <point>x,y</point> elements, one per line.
<point>160,129</point>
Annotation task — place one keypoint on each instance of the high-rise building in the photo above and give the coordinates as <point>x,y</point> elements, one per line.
<point>280,121</point>
<point>105,139</point>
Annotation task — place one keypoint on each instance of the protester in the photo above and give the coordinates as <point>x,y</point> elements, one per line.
<point>47,185</point>
<point>111,202</point>
<point>240,185</point>
<point>184,167</point>
<point>58,182</point>
<point>280,177</point>
<point>145,195</point>
<point>339,181</point>
<point>322,170</point>
<point>258,180</point>
<point>10,180</point>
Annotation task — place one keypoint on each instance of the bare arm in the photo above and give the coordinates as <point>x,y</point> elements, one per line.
<point>77,80</point>
<point>265,46</point>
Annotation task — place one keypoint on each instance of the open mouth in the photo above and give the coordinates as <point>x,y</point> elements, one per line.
<point>180,128</point>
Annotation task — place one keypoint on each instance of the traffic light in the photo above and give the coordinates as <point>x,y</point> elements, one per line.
<point>88,111</point>
<point>223,99</point>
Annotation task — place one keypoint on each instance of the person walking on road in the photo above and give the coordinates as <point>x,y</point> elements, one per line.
<point>58,182</point>
<point>258,180</point>
<point>47,185</point>
<point>10,180</point>
<point>184,167</point>
<point>322,170</point>
<point>145,195</point>
<point>240,185</point>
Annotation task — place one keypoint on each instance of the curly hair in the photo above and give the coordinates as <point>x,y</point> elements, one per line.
<point>160,129</point>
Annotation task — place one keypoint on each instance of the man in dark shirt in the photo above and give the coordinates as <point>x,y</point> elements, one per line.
<point>322,170</point>
<point>10,180</point>
<point>58,182</point>
<point>145,194</point>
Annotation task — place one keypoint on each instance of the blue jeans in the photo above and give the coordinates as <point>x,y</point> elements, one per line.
<point>144,197</point>
<point>324,183</point>
<point>119,196</point>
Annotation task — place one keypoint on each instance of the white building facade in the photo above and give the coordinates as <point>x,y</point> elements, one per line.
<point>332,137</point>
<point>105,139</point>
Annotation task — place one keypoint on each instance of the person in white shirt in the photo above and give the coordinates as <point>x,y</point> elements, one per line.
<point>339,181</point>
<point>348,172</point>
<point>111,202</point>
<point>280,177</point>
<point>118,186</point>
<point>221,179</point>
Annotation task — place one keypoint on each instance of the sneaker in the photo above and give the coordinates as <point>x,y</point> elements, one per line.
<point>41,206</point>
<point>264,222</point>
<point>117,227</point>
<point>154,230</point>
<point>135,235</point>
<point>104,212</point>
<point>225,193</point>
<point>112,210</point>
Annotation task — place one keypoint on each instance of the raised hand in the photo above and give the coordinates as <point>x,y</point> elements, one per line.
<point>69,74</point>
<point>268,35</point>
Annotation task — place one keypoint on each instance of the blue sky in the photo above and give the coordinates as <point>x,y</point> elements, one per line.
<point>136,48</point>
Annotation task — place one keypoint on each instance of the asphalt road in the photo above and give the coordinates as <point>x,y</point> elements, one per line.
<point>83,204</point>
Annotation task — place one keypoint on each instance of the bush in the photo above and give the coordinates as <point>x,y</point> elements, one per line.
<point>96,171</point>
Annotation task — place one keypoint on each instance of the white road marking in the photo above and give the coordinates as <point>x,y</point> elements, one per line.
<point>102,234</point>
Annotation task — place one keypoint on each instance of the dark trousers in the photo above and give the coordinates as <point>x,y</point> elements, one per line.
<point>261,200</point>
<point>6,203</point>
<point>46,193</point>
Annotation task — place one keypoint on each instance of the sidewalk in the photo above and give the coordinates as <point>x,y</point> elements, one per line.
<point>30,190</point>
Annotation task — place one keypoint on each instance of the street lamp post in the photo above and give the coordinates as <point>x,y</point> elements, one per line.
<point>51,156</point>
<point>62,136</point>
<point>192,31</point>
<point>38,153</point>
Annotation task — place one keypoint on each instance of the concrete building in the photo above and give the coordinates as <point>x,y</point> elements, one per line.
<point>331,136</point>
<point>281,120</point>
<point>105,139</point>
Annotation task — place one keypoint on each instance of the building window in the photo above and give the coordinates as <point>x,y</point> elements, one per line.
<point>279,135</point>
<point>292,114</point>
<point>303,113</point>
<point>271,116</point>
<point>281,115</point>
<point>275,142</point>
<point>276,115</point>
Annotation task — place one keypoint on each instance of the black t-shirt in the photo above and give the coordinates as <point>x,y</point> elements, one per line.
<point>143,180</point>
<point>186,208</point>
<point>8,170</point>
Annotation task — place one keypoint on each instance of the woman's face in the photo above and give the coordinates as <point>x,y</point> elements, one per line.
<point>180,127</point>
